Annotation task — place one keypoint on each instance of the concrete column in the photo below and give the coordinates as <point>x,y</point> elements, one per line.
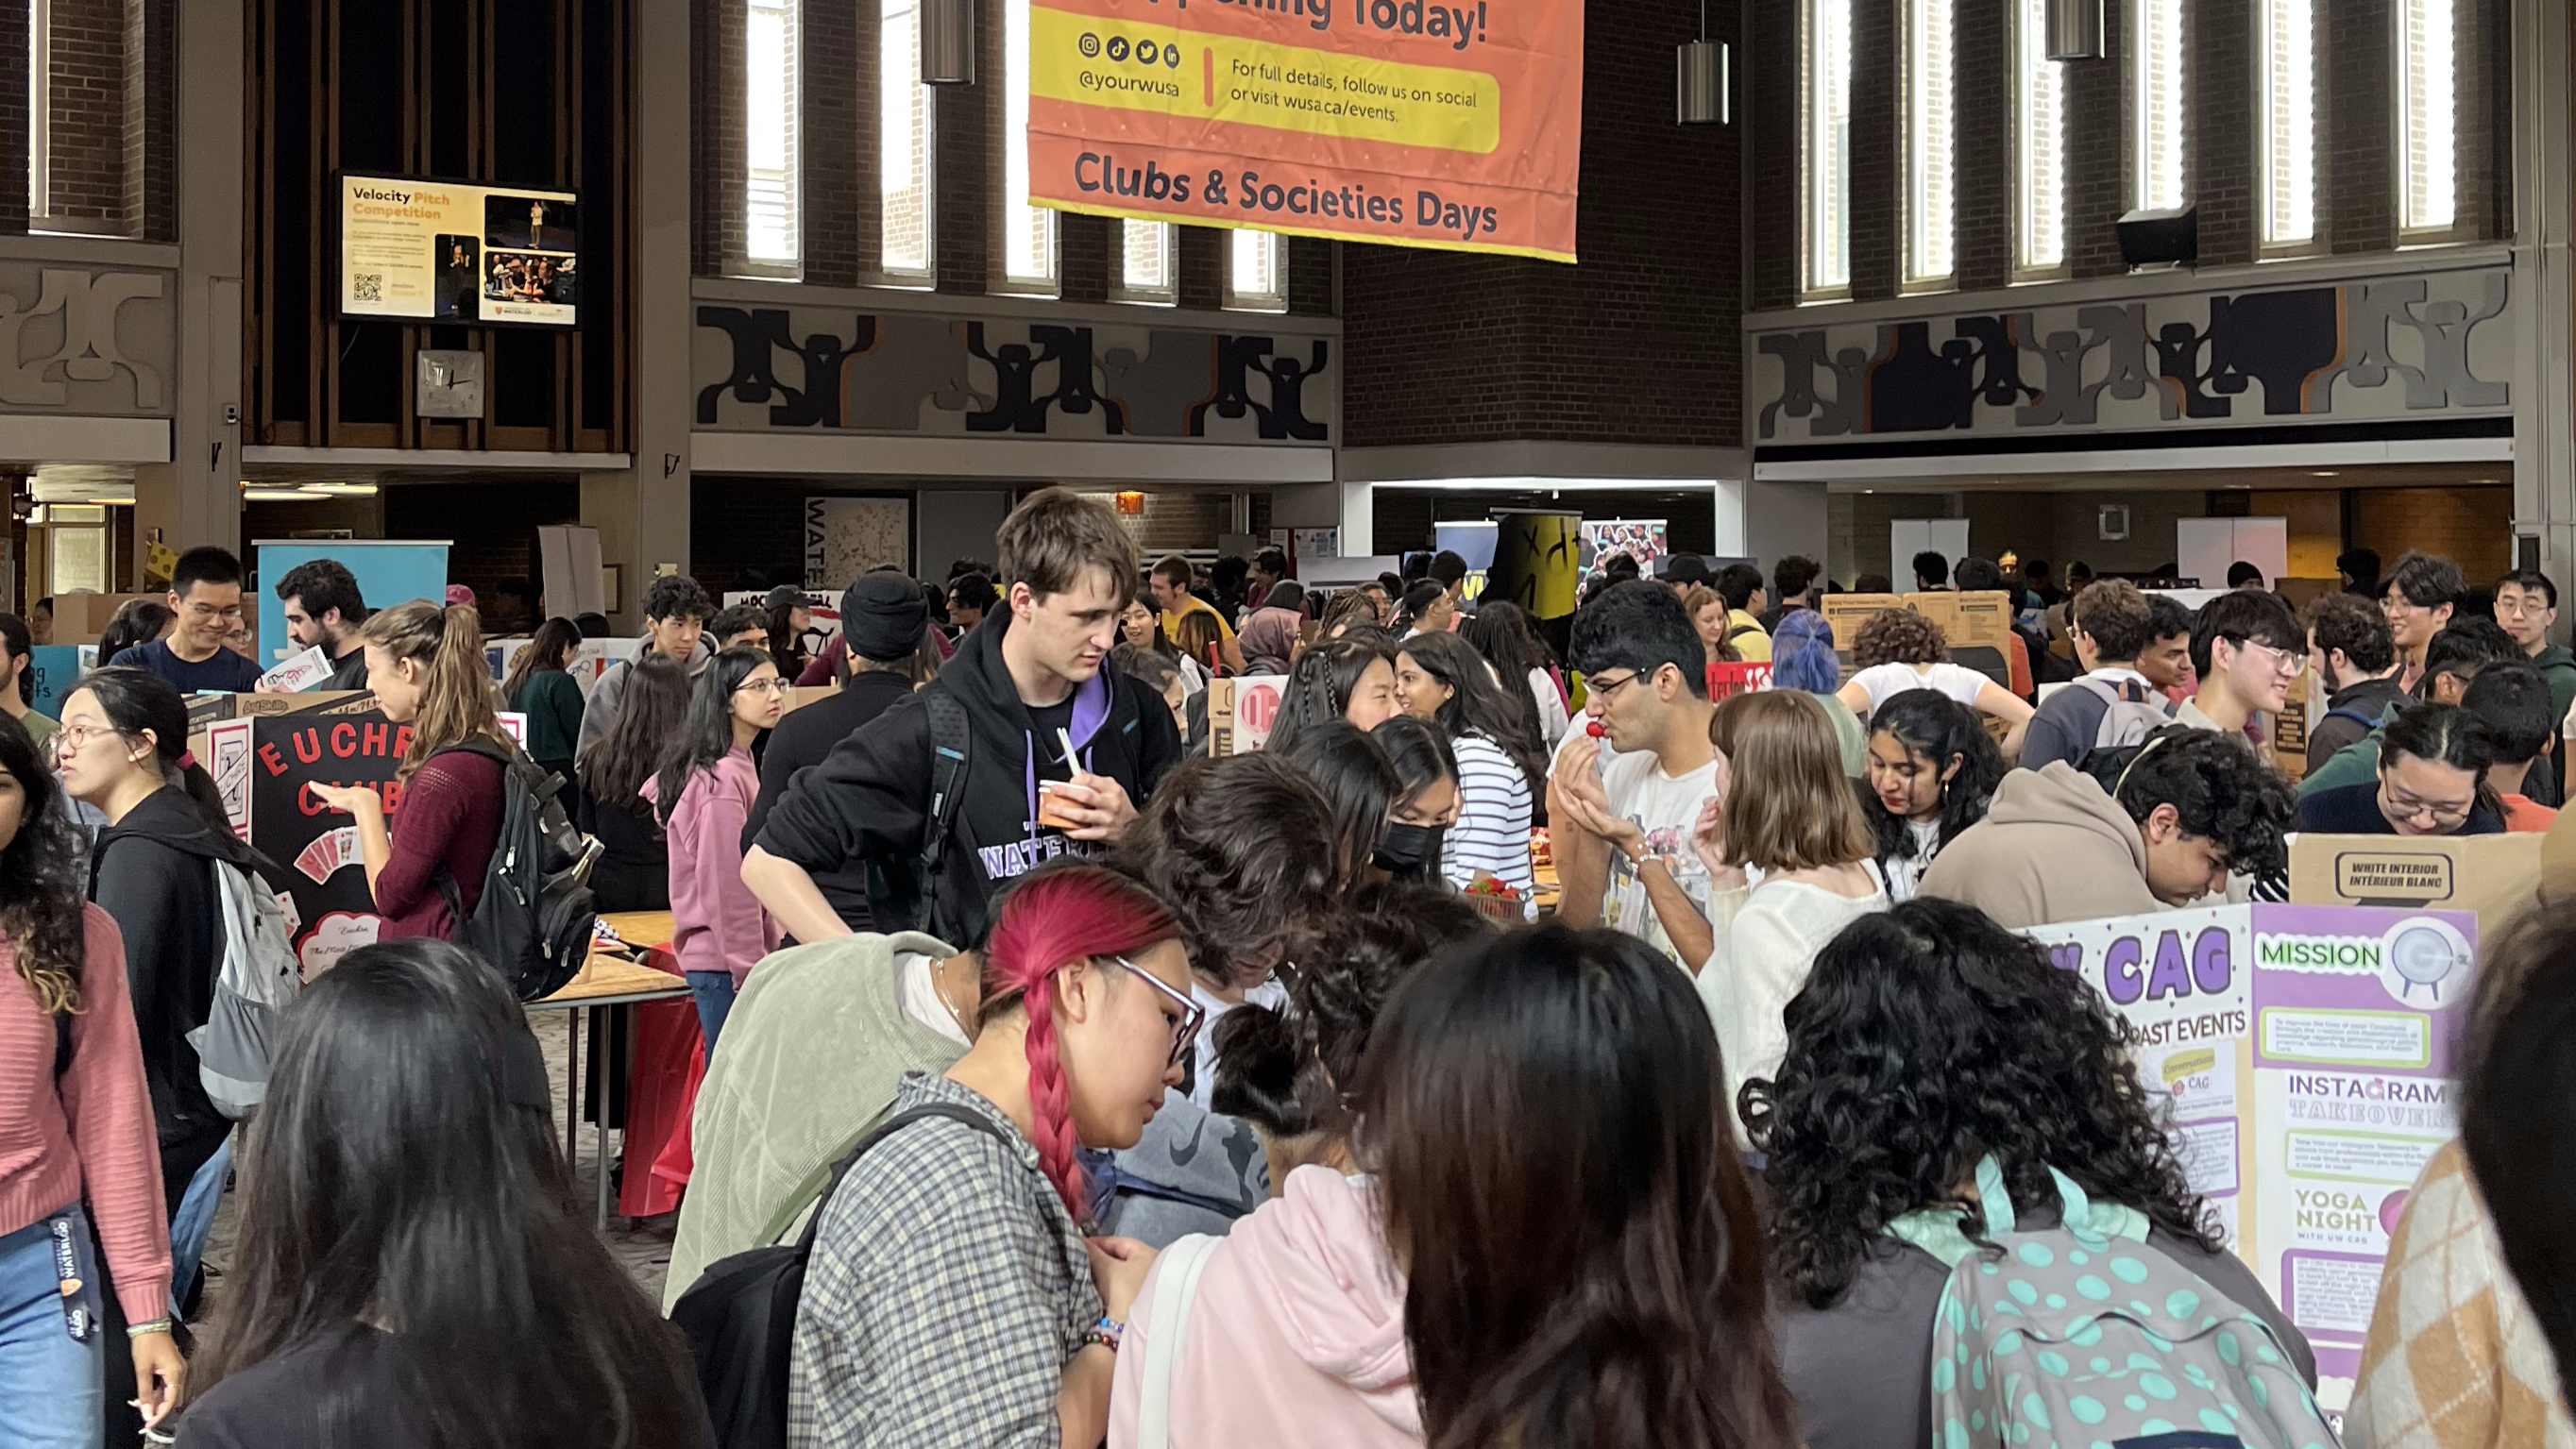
<point>2544,466</point>
<point>196,497</point>
<point>642,513</point>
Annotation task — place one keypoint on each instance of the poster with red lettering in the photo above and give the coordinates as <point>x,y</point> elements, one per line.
<point>318,846</point>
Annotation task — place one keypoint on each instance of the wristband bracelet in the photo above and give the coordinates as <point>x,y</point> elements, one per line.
<point>1107,1333</point>
<point>137,1330</point>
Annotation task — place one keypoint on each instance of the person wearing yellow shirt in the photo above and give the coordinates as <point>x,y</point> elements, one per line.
<point>1740,585</point>
<point>1170,585</point>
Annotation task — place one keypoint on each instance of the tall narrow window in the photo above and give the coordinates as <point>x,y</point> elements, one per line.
<point>2039,120</point>
<point>2428,127</point>
<point>770,232</point>
<point>1930,140</point>
<point>903,143</point>
<point>2288,82</point>
<point>1824,146</point>
<point>39,101</point>
<point>1028,232</point>
<point>1256,271</point>
<point>2155,98</point>
<point>1148,269</point>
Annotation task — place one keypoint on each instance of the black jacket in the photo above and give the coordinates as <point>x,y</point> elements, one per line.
<point>633,872</point>
<point>864,806</point>
<point>805,739</point>
<point>2330,731</point>
<point>153,872</point>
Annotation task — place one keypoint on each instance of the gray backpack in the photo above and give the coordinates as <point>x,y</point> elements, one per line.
<point>2083,1334</point>
<point>257,980</point>
<point>2131,712</point>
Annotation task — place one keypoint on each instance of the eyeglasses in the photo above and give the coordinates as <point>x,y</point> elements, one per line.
<point>2284,661</point>
<point>71,739</point>
<point>2402,806</point>
<point>771,685</point>
<point>1604,689</point>
<point>1185,1032</point>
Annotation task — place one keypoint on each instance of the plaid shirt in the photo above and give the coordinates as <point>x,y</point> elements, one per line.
<point>947,1291</point>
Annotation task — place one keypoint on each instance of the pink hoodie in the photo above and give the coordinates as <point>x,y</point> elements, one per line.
<point>1297,1337</point>
<point>717,922</point>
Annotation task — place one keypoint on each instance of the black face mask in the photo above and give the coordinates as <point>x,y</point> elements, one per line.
<point>1409,850</point>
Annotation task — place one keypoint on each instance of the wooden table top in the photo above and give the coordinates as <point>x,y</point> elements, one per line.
<point>642,928</point>
<point>605,976</point>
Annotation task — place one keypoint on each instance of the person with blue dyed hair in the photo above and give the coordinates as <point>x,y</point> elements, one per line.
<point>1803,658</point>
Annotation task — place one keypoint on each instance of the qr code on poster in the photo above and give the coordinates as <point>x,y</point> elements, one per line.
<point>368,286</point>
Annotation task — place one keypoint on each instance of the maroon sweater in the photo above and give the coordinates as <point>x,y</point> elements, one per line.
<point>450,815</point>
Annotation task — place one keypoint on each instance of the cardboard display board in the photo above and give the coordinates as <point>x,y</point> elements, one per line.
<point>2305,1053</point>
<point>57,667</point>
<point>1978,626</point>
<point>2491,876</point>
<point>265,752</point>
<point>80,618</point>
<point>1242,712</point>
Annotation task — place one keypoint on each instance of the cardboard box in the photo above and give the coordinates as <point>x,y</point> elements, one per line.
<point>1242,712</point>
<point>2290,729</point>
<point>2496,876</point>
<point>79,618</point>
<point>799,697</point>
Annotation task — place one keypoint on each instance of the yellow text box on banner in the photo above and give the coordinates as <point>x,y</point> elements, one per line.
<point>1088,60</point>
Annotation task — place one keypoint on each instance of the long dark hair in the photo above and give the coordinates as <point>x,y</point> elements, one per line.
<point>1356,780</point>
<point>706,736</point>
<point>42,885</point>
<point>135,700</point>
<point>21,643</point>
<point>1939,728</point>
<point>1545,1116</point>
<point>404,1174</point>
<point>786,644</point>
<point>1420,754</point>
<point>1926,1037</point>
<point>1478,706</point>
<point>649,716</point>
<point>550,650</point>
<point>1502,633</point>
<point>1321,684</point>
<point>138,622</point>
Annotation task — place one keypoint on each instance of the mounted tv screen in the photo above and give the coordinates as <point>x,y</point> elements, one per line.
<point>440,251</point>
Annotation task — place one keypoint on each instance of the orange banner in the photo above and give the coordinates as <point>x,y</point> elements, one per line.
<point>1428,123</point>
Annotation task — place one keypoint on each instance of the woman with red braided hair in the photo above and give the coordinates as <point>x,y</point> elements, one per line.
<point>952,1298</point>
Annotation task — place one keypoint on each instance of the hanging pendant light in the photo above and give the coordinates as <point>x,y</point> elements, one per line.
<point>1702,95</point>
<point>948,42</point>
<point>2074,29</point>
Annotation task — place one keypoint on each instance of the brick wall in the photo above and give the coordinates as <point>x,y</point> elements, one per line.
<point>85,111</point>
<point>828,168</point>
<point>2219,152</point>
<point>151,58</point>
<point>14,133</point>
<point>2097,135</point>
<point>2356,182</point>
<point>1769,107</point>
<point>1638,344</point>
<point>491,526</point>
<point>1877,153</point>
<point>716,124</point>
<point>1985,126</point>
<point>2472,527</point>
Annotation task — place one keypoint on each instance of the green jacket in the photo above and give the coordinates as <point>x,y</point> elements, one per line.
<point>2557,664</point>
<point>2356,763</point>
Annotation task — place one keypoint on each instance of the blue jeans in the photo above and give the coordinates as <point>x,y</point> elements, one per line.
<point>52,1392</point>
<point>194,1222</point>
<point>714,991</point>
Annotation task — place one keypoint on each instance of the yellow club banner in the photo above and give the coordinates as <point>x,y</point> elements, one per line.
<point>1401,121</point>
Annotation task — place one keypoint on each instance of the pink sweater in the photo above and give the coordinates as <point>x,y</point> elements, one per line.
<point>718,923</point>
<point>1297,1336</point>
<point>89,1134</point>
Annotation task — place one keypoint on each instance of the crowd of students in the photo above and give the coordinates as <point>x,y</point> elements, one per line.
<point>1117,1092</point>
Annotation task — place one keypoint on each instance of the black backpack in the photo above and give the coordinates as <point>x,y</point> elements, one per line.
<point>951,737</point>
<point>740,1316</point>
<point>533,922</point>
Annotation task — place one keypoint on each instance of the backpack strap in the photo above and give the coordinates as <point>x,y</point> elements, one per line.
<point>950,733</point>
<point>2356,716</point>
<point>810,1190</point>
<point>884,1130</point>
<point>1176,1287</point>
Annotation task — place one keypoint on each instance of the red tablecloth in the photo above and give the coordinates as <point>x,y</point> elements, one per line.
<point>670,1059</point>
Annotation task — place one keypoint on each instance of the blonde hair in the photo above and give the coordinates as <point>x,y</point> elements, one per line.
<point>1789,806</point>
<point>456,685</point>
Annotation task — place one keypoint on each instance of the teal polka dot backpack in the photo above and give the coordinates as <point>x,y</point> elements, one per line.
<point>2082,1335</point>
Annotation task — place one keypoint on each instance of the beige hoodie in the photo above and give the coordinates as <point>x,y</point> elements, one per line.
<point>2053,847</point>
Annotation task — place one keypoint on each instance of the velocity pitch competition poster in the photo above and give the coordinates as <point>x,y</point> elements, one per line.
<point>1454,124</point>
<point>439,251</point>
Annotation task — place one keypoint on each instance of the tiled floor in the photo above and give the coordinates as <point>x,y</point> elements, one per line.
<point>642,1246</point>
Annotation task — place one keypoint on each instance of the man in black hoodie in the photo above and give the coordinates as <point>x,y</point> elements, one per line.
<point>1027,680</point>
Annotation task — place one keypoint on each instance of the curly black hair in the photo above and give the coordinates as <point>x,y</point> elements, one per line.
<point>2219,788</point>
<point>1926,1038</point>
<point>43,880</point>
<point>1244,848</point>
<point>1287,1071</point>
